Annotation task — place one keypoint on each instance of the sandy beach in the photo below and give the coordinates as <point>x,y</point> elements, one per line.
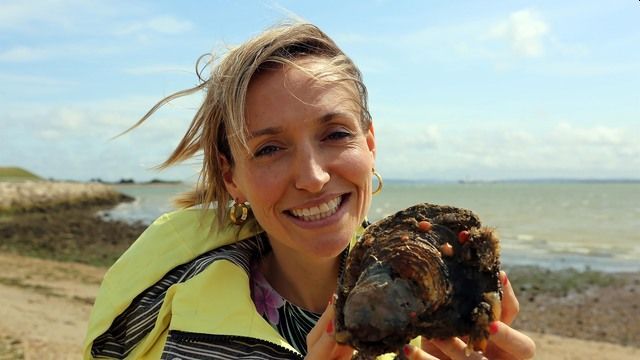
<point>53,259</point>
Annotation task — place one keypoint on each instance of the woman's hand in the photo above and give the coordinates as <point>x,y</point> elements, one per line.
<point>321,343</point>
<point>504,341</point>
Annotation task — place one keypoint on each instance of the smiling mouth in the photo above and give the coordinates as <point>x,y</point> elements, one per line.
<point>317,212</point>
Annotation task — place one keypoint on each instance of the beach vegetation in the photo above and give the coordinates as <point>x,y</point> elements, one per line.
<point>14,173</point>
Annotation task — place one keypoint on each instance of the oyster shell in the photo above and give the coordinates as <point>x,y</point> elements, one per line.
<point>427,270</point>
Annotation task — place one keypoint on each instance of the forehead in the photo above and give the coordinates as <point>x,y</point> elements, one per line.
<point>307,88</point>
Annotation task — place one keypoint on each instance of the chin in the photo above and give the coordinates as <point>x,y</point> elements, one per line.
<point>330,249</point>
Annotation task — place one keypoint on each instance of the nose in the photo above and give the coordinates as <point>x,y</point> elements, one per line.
<point>310,173</point>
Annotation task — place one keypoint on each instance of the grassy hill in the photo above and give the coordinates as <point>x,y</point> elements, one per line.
<point>16,174</point>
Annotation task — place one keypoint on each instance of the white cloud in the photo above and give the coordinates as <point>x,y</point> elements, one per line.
<point>158,69</point>
<point>355,38</point>
<point>443,149</point>
<point>160,24</point>
<point>519,137</point>
<point>23,54</point>
<point>11,81</point>
<point>69,118</point>
<point>19,14</point>
<point>49,134</point>
<point>597,135</point>
<point>589,69</point>
<point>507,151</point>
<point>569,49</point>
<point>525,34</point>
<point>33,16</point>
<point>425,137</point>
<point>79,137</point>
<point>102,120</point>
<point>525,31</point>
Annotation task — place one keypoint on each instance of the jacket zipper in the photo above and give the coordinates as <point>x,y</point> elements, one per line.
<point>186,337</point>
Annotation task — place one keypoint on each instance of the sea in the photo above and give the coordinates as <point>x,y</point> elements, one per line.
<point>556,225</point>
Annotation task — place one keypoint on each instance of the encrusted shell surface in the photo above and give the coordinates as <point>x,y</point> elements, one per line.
<point>417,273</point>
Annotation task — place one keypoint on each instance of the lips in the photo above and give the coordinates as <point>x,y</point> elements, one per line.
<point>318,212</point>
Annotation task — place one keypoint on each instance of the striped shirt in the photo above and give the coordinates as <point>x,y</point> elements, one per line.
<point>129,328</point>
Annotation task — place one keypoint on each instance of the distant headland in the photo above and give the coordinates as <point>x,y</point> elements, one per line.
<point>15,173</point>
<point>130,181</point>
<point>23,191</point>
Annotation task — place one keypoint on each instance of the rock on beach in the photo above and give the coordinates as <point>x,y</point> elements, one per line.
<point>38,196</point>
<point>57,220</point>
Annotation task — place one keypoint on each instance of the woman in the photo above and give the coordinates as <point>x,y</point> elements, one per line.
<point>286,136</point>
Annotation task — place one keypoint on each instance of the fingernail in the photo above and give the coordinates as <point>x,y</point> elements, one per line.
<point>407,350</point>
<point>493,327</point>
<point>504,279</point>
<point>330,328</point>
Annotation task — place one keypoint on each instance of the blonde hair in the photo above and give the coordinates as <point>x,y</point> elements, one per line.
<point>219,124</point>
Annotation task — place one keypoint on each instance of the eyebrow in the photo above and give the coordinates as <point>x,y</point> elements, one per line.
<point>278,129</point>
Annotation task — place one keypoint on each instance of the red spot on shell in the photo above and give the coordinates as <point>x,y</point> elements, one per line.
<point>463,236</point>
<point>425,226</point>
<point>413,314</point>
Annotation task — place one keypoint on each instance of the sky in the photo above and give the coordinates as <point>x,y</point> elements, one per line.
<point>462,90</point>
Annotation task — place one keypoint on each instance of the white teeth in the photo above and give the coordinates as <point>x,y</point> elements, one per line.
<point>318,212</point>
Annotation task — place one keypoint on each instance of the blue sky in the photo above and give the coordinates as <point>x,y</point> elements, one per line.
<point>458,90</point>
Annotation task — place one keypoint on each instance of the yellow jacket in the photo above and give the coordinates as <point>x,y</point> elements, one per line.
<point>192,306</point>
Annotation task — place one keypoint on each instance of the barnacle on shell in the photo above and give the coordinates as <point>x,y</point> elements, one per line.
<point>427,270</point>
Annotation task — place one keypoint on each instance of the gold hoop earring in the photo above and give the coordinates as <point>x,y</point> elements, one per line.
<point>380,183</point>
<point>239,212</point>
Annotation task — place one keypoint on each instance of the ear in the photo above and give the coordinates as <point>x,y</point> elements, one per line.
<point>229,182</point>
<point>371,140</point>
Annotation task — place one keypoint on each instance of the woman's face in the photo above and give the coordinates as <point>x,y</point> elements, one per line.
<point>308,172</point>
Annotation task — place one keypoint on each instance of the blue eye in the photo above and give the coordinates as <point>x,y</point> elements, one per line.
<point>266,151</point>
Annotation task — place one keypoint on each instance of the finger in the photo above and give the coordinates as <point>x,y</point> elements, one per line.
<point>413,353</point>
<point>511,341</point>
<point>510,304</point>
<point>326,347</point>
<point>432,349</point>
<point>314,335</point>
<point>454,348</point>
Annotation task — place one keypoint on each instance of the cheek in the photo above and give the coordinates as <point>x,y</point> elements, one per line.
<point>264,188</point>
<point>358,165</point>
